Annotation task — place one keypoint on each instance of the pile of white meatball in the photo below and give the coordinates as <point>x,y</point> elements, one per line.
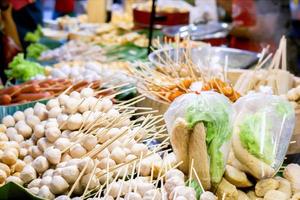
<point>46,148</point>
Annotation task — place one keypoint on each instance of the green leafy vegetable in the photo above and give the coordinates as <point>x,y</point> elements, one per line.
<point>34,50</point>
<point>215,114</point>
<point>256,136</point>
<point>22,69</point>
<point>34,36</point>
<point>284,108</point>
<point>194,184</point>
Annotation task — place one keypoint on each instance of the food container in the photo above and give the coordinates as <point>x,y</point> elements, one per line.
<point>200,129</point>
<point>206,56</point>
<point>263,129</point>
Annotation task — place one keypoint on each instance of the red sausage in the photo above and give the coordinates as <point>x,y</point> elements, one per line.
<point>32,88</point>
<point>32,96</point>
<point>10,90</point>
<point>5,99</point>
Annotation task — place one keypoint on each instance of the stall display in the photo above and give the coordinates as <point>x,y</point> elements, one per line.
<point>208,123</point>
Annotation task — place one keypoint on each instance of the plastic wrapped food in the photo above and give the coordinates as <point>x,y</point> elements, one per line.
<point>262,131</point>
<point>200,128</point>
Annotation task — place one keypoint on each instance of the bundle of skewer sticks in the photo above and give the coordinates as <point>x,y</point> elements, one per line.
<point>275,76</point>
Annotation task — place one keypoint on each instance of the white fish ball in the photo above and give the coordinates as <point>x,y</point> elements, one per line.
<point>106,163</point>
<point>71,106</point>
<point>32,120</point>
<point>52,103</point>
<point>63,99</point>
<point>42,114</point>
<point>53,155</point>
<point>14,179</point>
<point>34,190</point>
<point>3,137</point>
<point>28,174</point>
<point>8,121</point>
<point>28,159</point>
<point>118,155</point>
<point>25,131</point>
<point>94,182</point>
<point>46,180</point>
<point>89,142</point>
<point>58,185</point>
<point>62,143</point>
<point>18,166</point>
<point>28,111</point>
<point>34,151</point>
<point>75,121</point>
<point>106,104</point>
<point>48,172</point>
<point>40,164</point>
<point>133,196</point>
<point>23,152</point>
<point>139,149</point>
<point>70,173</point>
<point>19,115</point>
<point>34,183</point>
<point>103,154</point>
<point>43,143</point>
<point>114,145</point>
<point>39,131</point>
<point>45,193</point>
<point>87,92</point>
<point>84,106</point>
<point>174,173</point>
<point>54,112</point>
<point>63,197</point>
<point>77,151</point>
<point>66,157</point>
<point>75,95</point>
<point>52,134</point>
<point>9,157</point>
<point>86,161</point>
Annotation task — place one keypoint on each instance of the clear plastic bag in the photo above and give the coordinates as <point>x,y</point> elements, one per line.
<point>263,128</point>
<point>215,112</point>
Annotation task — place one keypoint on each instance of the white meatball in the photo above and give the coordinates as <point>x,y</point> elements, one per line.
<point>185,191</point>
<point>40,164</point>
<point>32,120</point>
<point>48,172</point>
<point>42,114</point>
<point>87,92</point>
<point>63,197</point>
<point>28,159</point>
<point>45,193</point>
<point>53,155</point>
<point>28,174</point>
<point>34,183</point>
<point>208,196</point>
<point>43,144</point>
<point>34,190</point>
<point>34,151</point>
<point>139,149</point>
<point>173,183</point>
<point>14,179</point>
<point>19,115</point>
<point>28,111</point>
<point>3,137</point>
<point>174,172</point>
<point>153,194</point>
<point>62,143</point>
<point>86,161</point>
<point>106,163</point>
<point>93,181</point>
<point>89,142</point>
<point>75,121</point>
<point>58,185</point>
<point>71,106</point>
<point>52,103</point>
<point>70,173</point>
<point>54,112</point>
<point>106,104</point>
<point>103,154</point>
<point>8,121</point>
<point>25,130</point>
<point>75,95</point>
<point>77,151</point>
<point>52,134</point>
<point>63,99</point>
<point>39,131</point>
<point>46,180</point>
<point>118,155</point>
<point>133,196</point>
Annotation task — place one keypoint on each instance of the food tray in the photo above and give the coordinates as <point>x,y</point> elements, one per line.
<point>11,109</point>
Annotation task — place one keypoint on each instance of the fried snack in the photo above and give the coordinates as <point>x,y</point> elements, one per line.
<point>198,153</point>
<point>180,141</point>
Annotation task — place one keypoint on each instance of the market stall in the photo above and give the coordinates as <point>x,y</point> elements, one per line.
<point>88,114</point>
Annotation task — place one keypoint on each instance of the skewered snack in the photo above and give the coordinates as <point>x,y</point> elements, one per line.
<point>41,89</point>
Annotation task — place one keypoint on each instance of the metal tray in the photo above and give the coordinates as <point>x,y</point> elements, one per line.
<point>206,56</point>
